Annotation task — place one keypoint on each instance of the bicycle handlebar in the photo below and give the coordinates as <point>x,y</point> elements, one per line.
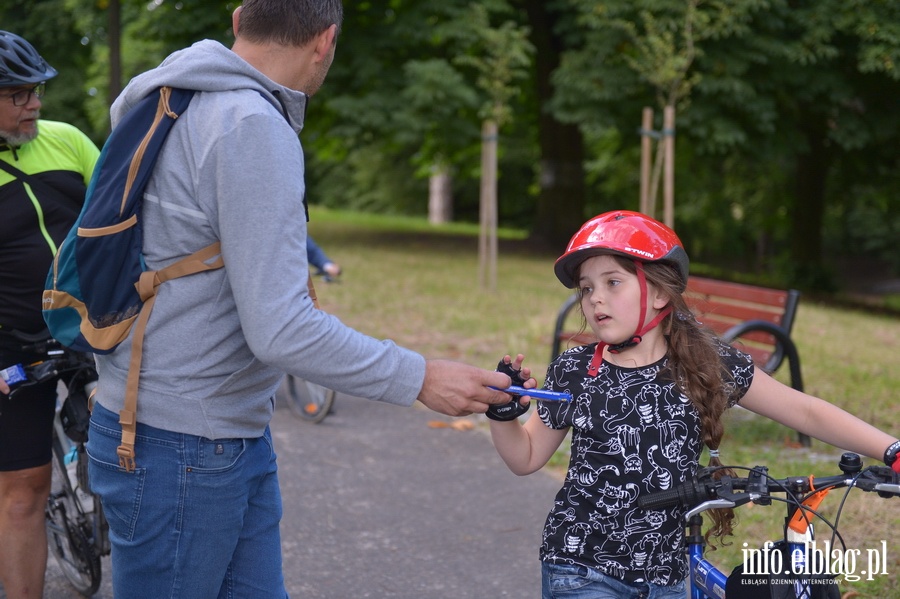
<point>58,360</point>
<point>758,486</point>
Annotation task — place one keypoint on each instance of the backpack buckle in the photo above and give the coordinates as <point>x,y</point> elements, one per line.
<point>126,457</point>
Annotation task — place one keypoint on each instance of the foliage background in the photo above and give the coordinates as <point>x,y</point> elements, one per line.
<point>786,161</point>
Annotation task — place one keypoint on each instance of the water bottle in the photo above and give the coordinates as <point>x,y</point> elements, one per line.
<point>83,496</point>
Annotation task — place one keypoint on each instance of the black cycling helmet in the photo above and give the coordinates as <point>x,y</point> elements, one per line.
<point>20,64</point>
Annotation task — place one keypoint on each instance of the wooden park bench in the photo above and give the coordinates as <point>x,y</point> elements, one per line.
<point>757,320</point>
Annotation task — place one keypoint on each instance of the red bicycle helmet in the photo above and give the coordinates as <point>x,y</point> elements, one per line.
<point>20,63</point>
<point>623,233</point>
<point>632,235</point>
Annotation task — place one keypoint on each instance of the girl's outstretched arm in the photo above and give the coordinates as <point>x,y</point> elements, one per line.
<point>813,416</point>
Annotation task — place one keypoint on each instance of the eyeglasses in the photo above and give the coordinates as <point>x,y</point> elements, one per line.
<point>21,98</point>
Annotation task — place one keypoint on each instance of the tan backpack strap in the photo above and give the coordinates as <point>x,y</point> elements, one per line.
<point>128,415</point>
<point>147,286</point>
<point>312,292</point>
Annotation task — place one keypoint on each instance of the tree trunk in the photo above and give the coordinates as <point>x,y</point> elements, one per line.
<point>808,212</point>
<point>487,238</point>
<point>114,23</point>
<point>561,202</point>
<point>440,195</point>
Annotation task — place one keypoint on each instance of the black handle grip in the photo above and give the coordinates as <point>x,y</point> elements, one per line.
<point>687,494</point>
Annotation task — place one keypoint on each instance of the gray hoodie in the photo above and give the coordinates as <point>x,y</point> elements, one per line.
<point>218,342</point>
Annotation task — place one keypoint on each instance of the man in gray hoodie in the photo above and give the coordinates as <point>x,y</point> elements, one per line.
<point>199,515</point>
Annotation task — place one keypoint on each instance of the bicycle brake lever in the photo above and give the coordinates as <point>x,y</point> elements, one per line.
<point>709,505</point>
<point>43,371</point>
<point>888,488</point>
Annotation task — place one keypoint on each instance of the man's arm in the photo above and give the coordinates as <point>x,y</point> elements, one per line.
<point>457,389</point>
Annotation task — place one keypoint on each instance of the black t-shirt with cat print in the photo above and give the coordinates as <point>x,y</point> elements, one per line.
<point>633,432</point>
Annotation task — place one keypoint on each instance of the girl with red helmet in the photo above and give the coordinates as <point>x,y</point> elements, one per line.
<point>647,397</point>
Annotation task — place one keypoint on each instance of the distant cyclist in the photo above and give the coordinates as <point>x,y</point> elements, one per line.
<point>44,171</point>
<point>318,259</point>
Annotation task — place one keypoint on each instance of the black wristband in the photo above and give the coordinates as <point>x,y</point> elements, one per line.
<point>508,411</point>
<point>890,454</point>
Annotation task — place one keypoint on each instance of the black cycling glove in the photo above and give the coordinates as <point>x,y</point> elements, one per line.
<point>890,456</point>
<point>513,409</point>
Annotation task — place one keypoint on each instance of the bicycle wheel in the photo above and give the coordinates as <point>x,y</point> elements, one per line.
<point>69,532</point>
<point>309,401</point>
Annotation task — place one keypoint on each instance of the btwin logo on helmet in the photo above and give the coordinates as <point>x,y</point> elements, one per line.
<point>644,253</point>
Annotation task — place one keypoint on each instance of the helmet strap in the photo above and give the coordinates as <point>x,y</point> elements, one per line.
<point>597,359</point>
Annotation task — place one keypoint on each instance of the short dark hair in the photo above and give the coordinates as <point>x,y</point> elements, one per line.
<point>288,22</point>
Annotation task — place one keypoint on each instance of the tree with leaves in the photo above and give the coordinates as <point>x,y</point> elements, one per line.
<point>784,94</point>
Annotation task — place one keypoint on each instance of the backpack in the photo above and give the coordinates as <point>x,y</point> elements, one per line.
<point>98,287</point>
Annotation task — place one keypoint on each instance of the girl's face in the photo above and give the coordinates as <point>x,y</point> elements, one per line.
<point>611,299</point>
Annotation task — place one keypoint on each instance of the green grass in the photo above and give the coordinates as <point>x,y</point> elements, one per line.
<point>418,284</point>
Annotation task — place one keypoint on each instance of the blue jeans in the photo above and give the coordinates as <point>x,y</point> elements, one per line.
<point>197,519</point>
<point>578,582</point>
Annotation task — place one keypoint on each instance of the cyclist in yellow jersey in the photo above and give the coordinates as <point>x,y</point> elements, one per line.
<point>44,172</point>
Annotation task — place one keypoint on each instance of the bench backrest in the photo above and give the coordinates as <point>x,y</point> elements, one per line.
<point>721,305</point>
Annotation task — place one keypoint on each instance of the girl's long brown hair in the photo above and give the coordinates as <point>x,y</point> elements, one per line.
<point>697,369</point>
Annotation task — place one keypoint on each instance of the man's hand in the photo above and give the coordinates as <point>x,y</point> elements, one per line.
<point>4,388</point>
<point>457,389</point>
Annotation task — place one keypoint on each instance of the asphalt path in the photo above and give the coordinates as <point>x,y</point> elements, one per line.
<point>394,503</point>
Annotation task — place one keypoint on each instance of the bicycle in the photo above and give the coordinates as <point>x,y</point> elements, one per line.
<point>307,400</point>
<point>77,531</point>
<point>795,568</point>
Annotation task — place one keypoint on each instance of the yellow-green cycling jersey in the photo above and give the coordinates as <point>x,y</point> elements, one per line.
<point>34,219</point>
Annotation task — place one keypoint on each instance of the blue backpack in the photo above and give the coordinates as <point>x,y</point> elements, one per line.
<point>98,287</point>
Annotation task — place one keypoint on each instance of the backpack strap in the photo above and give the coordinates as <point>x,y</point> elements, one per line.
<point>147,285</point>
<point>36,184</point>
<point>312,292</point>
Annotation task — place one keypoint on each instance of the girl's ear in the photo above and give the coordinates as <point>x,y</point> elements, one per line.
<point>660,300</point>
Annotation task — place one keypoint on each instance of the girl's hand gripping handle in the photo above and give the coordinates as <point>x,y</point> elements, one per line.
<point>515,408</point>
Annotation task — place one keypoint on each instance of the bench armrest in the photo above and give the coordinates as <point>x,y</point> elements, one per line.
<point>785,347</point>
<point>560,323</point>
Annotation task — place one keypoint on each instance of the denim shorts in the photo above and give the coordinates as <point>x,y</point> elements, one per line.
<point>578,582</point>
<point>196,519</point>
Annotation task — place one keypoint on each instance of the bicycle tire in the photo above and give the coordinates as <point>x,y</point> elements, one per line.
<point>309,401</point>
<point>68,533</point>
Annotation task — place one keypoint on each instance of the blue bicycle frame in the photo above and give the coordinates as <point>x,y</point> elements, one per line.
<point>707,581</point>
